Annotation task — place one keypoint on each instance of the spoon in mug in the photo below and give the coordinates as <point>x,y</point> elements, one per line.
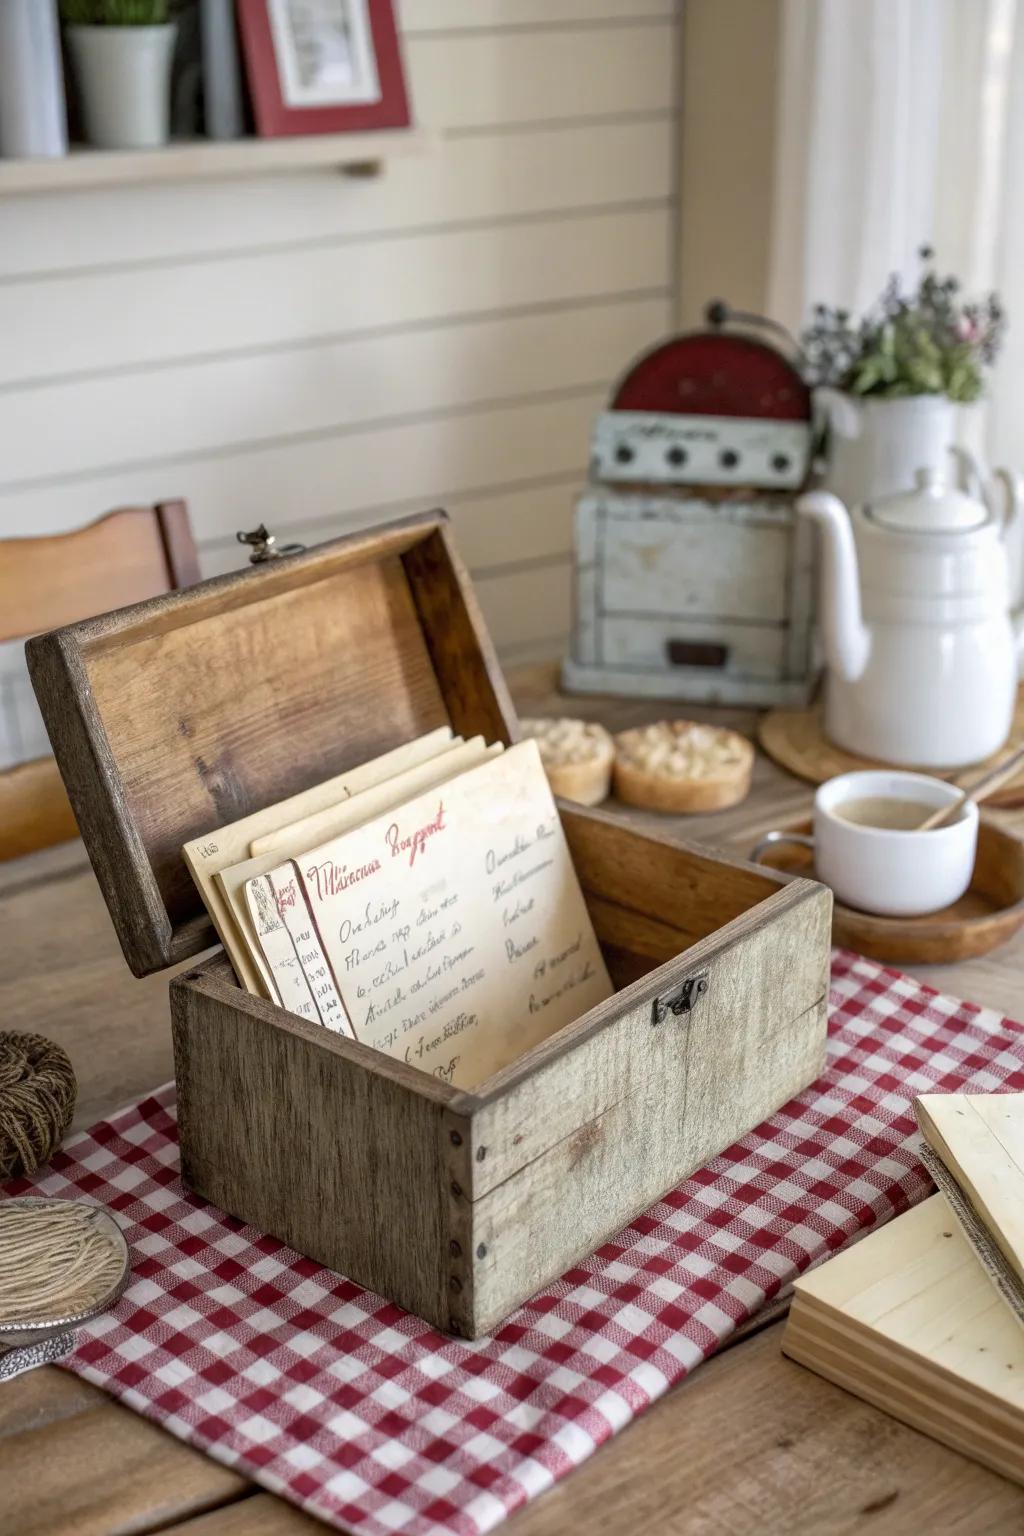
<point>980,789</point>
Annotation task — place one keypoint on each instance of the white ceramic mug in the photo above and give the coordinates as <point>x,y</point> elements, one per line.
<point>886,870</point>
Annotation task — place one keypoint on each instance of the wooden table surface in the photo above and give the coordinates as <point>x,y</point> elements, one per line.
<point>750,1443</point>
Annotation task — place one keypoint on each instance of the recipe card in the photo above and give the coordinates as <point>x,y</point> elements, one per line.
<point>455,926</point>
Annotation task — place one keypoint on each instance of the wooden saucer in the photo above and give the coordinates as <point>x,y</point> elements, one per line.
<point>987,914</point>
<point>795,739</point>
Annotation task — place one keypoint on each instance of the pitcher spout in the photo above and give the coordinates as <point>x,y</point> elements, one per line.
<point>845,636</point>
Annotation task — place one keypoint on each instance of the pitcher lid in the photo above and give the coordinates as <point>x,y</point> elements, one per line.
<point>934,506</point>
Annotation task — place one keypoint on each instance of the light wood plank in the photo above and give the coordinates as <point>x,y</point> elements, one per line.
<point>335,476</point>
<point>476,178</point>
<point>259,1514</point>
<point>105,1471</point>
<point>753,1443</point>
<point>39,1398</point>
<point>339,385</point>
<point>67,324</point>
<point>751,1440</point>
<point>71,983</point>
<point>980,1138</point>
<point>908,1320</point>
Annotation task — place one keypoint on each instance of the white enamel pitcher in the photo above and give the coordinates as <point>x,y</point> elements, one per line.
<point>914,610</point>
<point>876,445</point>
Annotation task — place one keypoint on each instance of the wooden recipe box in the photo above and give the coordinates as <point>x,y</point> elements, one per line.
<point>181,714</point>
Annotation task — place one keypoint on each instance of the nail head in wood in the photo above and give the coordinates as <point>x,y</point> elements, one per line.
<point>455,1138</point>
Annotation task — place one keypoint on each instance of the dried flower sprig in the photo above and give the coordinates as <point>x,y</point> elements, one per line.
<point>925,342</point>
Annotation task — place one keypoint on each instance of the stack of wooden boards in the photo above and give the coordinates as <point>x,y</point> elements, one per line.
<point>917,1318</point>
<point>424,903</point>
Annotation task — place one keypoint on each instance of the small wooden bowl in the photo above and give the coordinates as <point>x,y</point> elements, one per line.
<point>987,914</point>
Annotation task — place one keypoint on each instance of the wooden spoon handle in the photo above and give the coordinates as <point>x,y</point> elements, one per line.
<point>979,789</point>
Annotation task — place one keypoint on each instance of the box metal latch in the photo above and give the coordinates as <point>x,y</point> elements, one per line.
<point>679,1002</point>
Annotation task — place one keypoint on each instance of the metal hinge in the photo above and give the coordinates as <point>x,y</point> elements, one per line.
<point>681,1001</point>
<point>265,547</point>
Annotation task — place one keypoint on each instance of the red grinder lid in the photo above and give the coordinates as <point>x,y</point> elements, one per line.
<point>710,373</point>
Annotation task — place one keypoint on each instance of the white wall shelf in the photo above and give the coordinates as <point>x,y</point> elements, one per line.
<point>194,159</point>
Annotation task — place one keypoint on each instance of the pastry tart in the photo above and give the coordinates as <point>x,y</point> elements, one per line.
<point>681,765</point>
<point>577,757</point>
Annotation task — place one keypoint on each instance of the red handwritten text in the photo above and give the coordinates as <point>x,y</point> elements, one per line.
<point>415,843</point>
<point>332,878</point>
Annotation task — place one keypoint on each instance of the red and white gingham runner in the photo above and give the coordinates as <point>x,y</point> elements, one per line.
<point>369,1419</point>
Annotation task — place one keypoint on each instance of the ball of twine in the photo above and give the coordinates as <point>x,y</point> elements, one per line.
<point>37,1100</point>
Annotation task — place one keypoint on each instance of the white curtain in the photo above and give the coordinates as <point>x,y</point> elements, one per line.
<point>901,123</point>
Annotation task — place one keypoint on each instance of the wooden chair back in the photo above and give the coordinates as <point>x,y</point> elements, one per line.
<point>131,554</point>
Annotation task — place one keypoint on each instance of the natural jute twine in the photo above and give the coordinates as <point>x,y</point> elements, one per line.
<point>56,1260</point>
<point>37,1100</point>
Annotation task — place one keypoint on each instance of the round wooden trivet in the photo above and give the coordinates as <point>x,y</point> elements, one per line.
<point>796,740</point>
<point>37,1100</point>
<point>986,915</point>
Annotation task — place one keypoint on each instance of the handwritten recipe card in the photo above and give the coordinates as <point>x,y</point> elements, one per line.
<point>455,926</point>
<point>428,907</point>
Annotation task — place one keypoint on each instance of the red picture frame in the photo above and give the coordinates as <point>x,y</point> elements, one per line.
<point>276,118</point>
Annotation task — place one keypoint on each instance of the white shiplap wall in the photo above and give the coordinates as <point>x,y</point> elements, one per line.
<point>317,351</point>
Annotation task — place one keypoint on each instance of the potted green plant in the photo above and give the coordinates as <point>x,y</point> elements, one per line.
<point>122,51</point>
<point>889,384</point>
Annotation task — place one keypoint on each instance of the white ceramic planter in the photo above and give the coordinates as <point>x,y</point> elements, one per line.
<point>877,446</point>
<point>124,83</point>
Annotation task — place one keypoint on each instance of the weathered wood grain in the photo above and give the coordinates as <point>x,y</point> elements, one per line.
<point>472,683</point>
<point>102,1472</point>
<point>460,1206</point>
<point>583,1135</point>
<point>38,1398</point>
<point>185,712</point>
<point>258,1514</point>
<point>330,1146</point>
<point>643,871</point>
<point>750,1441</point>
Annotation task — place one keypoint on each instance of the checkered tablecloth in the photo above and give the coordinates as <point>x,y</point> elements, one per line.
<point>369,1419</point>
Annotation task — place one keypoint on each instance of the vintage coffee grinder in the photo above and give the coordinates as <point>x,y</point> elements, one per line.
<point>693,573</point>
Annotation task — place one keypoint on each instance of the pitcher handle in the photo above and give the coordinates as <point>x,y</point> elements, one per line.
<point>1013,490</point>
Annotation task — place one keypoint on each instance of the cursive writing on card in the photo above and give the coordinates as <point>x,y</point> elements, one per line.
<point>465,938</point>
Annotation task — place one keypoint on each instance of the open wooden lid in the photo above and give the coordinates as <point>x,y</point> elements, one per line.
<point>181,714</point>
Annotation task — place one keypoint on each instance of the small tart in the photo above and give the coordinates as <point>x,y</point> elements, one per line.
<point>577,757</point>
<point>682,765</point>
